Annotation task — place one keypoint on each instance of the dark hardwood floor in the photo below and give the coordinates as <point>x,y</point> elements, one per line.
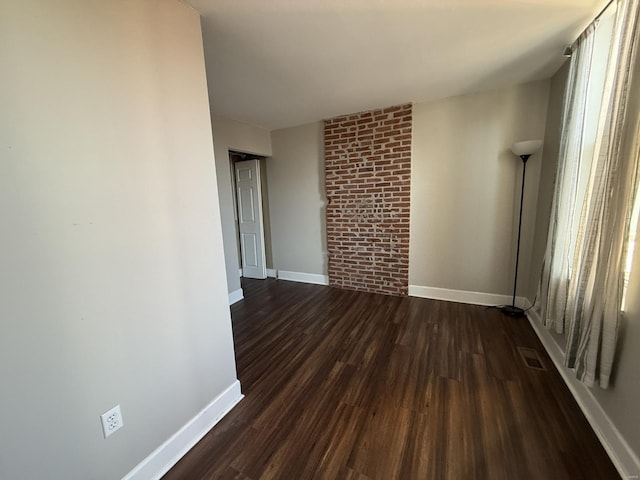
<point>346,385</point>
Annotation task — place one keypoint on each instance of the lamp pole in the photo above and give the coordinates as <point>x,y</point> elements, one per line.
<point>523,150</point>
<point>512,310</point>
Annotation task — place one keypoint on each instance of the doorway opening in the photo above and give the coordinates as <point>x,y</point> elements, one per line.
<point>251,213</point>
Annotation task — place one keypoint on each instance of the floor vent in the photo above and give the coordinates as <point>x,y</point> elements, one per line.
<point>531,358</point>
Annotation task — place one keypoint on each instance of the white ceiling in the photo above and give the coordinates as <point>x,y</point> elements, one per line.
<point>280,63</point>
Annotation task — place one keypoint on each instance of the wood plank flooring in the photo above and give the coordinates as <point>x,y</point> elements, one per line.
<point>347,385</point>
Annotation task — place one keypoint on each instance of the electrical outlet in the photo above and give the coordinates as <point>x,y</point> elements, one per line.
<point>111,421</point>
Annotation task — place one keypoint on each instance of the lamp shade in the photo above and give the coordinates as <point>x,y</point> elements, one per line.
<point>528,147</point>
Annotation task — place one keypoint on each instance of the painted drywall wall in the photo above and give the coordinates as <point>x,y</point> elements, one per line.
<point>465,188</point>
<point>112,285</point>
<point>231,135</point>
<point>296,200</point>
<point>550,152</point>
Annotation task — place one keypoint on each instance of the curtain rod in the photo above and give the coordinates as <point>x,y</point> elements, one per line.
<point>597,17</point>
<point>569,50</point>
<point>604,9</point>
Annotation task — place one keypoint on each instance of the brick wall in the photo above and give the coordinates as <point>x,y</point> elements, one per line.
<point>367,178</point>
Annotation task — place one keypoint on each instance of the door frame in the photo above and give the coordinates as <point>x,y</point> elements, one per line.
<point>260,212</point>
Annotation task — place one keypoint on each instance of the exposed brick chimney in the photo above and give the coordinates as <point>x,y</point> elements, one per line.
<point>368,181</point>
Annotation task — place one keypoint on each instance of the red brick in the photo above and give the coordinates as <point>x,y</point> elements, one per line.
<point>367,179</point>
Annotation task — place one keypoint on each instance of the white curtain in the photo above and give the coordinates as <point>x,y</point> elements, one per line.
<point>581,287</point>
<point>552,294</point>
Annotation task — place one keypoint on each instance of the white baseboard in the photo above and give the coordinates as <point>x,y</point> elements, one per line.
<point>304,277</point>
<point>167,455</point>
<point>236,296</point>
<point>621,454</point>
<point>463,296</point>
<point>240,272</point>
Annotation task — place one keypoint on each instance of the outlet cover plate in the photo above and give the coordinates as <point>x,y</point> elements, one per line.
<point>111,421</point>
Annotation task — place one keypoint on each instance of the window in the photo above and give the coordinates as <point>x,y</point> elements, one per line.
<point>592,231</point>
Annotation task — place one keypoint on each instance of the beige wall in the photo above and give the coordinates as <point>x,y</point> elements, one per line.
<point>620,402</point>
<point>112,286</point>
<point>232,135</point>
<point>296,199</point>
<point>466,185</point>
<point>550,151</point>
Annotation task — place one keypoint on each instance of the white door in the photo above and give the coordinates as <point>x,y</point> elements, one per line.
<point>249,200</point>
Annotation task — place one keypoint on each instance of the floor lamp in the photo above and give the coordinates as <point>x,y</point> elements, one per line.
<point>523,150</point>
